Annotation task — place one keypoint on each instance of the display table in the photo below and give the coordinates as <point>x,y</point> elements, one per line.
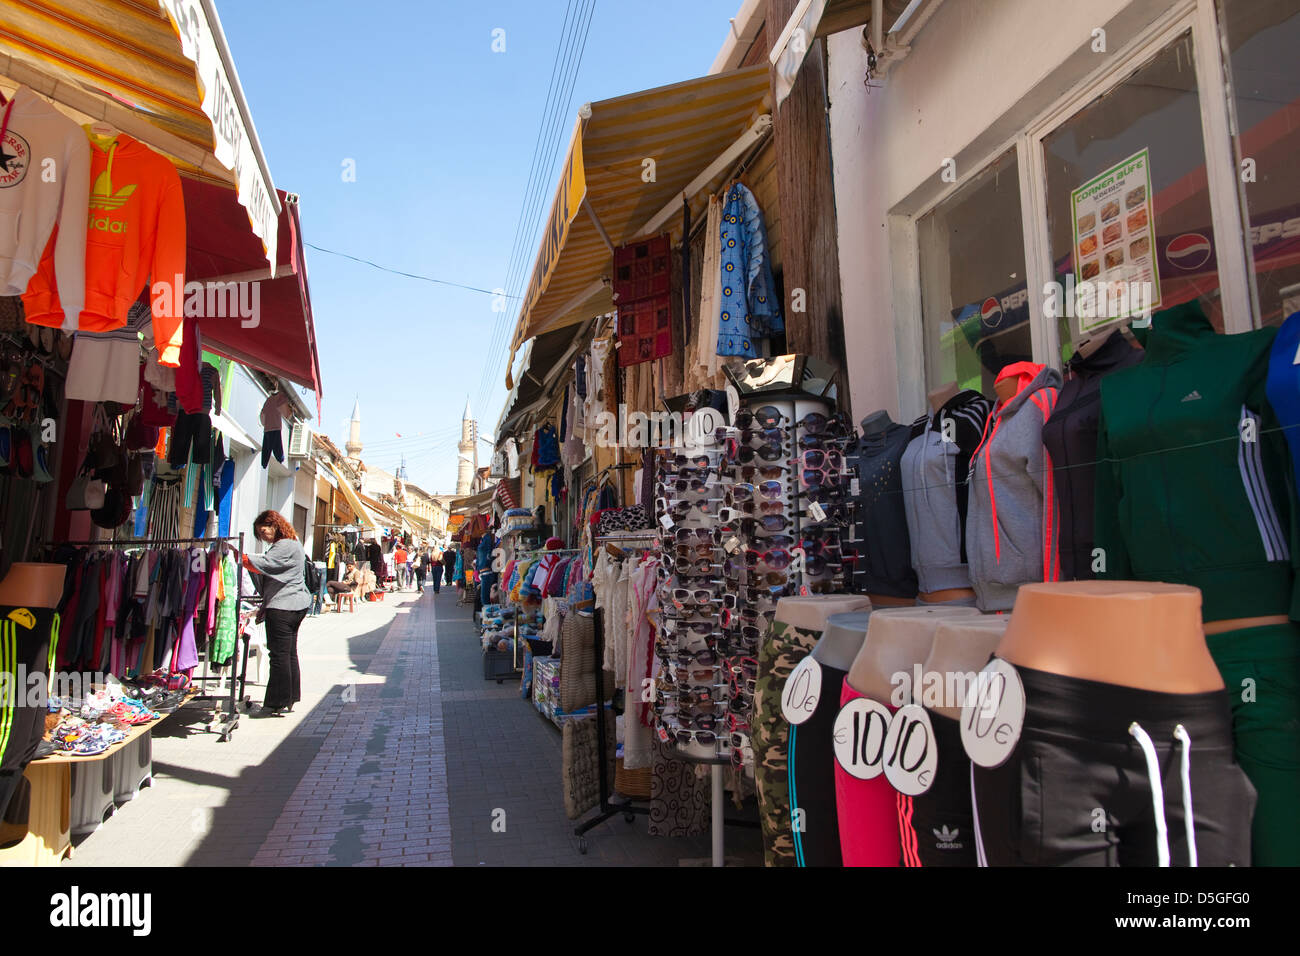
<point>50,823</point>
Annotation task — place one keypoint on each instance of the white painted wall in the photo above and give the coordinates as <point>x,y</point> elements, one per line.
<point>976,75</point>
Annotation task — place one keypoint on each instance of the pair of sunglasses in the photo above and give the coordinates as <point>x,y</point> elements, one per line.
<point>836,425</point>
<point>767,416</point>
<point>748,525</point>
<point>770,490</point>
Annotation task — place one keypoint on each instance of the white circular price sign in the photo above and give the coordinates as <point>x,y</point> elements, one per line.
<point>859,736</point>
<point>911,755</point>
<point>993,715</point>
<point>803,688</point>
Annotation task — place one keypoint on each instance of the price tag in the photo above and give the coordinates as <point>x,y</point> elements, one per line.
<point>667,521</point>
<point>803,688</point>
<point>816,511</point>
<point>911,752</point>
<point>733,544</point>
<point>855,487</point>
<point>993,715</point>
<point>859,736</point>
<point>663,735</point>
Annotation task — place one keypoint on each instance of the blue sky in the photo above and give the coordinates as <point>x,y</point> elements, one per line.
<point>442,130</point>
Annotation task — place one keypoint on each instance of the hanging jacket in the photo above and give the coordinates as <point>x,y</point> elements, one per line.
<point>1070,437</point>
<point>135,232</point>
<point>876,463</point>
<point>750,308</point>
<point>546,447</point>
<point>1012,523</point>
<point>935,490</point>
<point>1183,495</point>
<point>33,203</point>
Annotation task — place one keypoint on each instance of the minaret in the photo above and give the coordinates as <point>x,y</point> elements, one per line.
<point>353,446</point>
<point>468,454</point>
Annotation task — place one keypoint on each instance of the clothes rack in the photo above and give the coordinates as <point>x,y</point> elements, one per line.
<point>528,554</point>
<point>608,808</point>
<point>222,723</point>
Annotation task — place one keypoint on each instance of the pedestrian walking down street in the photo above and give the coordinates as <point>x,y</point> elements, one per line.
<point>449,565</point>
<point>435,569</point>
<point>285,601</point>
<point>417,569</point>
<point>400,569</point>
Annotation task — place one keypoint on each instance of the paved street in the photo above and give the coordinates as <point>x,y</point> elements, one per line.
<point>399,754</point>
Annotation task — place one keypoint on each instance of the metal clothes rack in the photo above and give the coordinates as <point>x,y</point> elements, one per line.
<point>608,808</point>
<point>222,723</point>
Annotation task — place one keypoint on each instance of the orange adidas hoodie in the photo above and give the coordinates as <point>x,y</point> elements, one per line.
<point>135,233</point>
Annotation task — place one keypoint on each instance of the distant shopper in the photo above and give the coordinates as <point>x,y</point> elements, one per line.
<point>285,600</point>
<point>417,569</point>
<point>399,565</point>
<point>449,565</point>
<point>435,569</point>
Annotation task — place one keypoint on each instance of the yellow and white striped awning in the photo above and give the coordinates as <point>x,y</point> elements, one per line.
<point>159,70</point>
<point>631,158</point>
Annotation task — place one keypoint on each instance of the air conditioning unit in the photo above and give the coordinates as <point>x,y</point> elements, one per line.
<point>300,440</point>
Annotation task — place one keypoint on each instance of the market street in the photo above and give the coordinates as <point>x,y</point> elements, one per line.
<point>407,775</point>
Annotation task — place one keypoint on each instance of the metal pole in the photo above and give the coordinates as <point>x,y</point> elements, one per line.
<point>719,857</point>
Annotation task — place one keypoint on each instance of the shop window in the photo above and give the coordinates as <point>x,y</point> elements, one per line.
<point>1262,37</point>
<point>1128,201</point>
<point>974,306</point>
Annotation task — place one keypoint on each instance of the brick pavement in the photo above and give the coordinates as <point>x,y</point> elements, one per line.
<point>399,754</point>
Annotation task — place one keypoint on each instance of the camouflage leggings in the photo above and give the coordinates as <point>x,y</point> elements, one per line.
<point>782,650</point>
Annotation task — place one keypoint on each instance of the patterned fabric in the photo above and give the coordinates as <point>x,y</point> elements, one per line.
<point>681,797</point>
<point>223,643</point>
<point>615,520</point>
<point>750,309</point>
<point>784,648</point>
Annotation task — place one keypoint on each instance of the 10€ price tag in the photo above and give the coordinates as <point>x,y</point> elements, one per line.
<point>859,735</point>
<point>803,688</point>
<point>993,715</point>
<point>911,754</point>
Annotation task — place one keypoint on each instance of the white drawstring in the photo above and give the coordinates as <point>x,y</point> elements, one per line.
<point>1157,790</point>
<point>1185,739</point>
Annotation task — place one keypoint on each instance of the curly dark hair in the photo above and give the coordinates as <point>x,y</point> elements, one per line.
<point>273,519</point>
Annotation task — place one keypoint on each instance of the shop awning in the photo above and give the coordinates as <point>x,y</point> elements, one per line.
<point>159,71</point>
<point>545,359</point>
<point>608,195</point>
<point>473,504</point>
<point>362,513</point>
<point>280,338</point>
<point>508,493</point>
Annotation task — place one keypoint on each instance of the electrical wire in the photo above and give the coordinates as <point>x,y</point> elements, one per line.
<point>399,272</point>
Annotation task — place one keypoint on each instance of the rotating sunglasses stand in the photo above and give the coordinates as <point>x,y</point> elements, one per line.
<point>725,577</point>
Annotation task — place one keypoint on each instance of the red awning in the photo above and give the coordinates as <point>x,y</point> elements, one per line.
<point>223,248</point>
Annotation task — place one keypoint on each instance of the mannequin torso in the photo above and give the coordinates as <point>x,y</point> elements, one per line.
<point>897,641</point>
<point>963,646</point>
<point>1131,633</point>
<point>32,585</point>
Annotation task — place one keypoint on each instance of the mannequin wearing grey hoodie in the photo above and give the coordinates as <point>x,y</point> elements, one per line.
<point>1011,522</point>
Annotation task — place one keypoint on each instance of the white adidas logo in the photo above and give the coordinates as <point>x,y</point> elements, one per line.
<point>1192,396</point>
<point>947,838</point>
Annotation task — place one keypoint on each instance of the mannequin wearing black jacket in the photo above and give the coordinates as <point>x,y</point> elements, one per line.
<point>1070,436</point>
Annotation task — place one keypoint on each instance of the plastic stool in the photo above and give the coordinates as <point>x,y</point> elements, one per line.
<point>132,769</point>
<point>92,794</point>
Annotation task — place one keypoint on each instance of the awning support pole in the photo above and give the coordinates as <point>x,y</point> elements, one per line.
<point>595,221</point>
<point>757,131</point>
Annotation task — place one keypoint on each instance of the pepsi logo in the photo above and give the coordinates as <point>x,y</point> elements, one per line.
<point>1189,251</point>
<point>991,312</point>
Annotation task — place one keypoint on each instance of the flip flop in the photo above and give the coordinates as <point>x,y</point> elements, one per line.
<point>22,452</point>
<point>40,458</point>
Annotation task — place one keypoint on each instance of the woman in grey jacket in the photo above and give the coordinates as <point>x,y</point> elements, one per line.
<point>285,600</point>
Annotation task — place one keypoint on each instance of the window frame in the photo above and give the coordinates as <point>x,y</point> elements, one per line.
<point>1227,208</point>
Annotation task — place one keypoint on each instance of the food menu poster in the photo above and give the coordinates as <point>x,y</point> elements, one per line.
<point>1115,237</point>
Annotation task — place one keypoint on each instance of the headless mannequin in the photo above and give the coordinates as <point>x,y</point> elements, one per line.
<point>842,640</point>
<point>1138,634</point>
<point>896,641</point>
<point>963,646</point>
<point>32,585</point>
<point>873,425</point>
<point>938,398</point>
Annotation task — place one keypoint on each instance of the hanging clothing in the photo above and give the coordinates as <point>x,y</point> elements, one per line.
<point>706,343</point>
<point>749,307</point>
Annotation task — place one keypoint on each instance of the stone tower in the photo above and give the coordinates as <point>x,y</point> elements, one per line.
<point>468,453</point>
<point>353,446</point>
